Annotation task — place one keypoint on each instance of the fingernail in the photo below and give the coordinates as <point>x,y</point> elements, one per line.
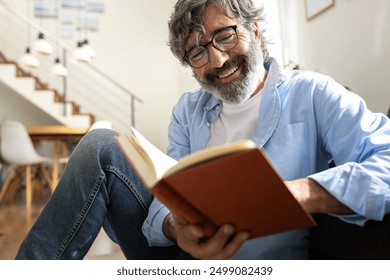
<point>245,235</point>
<point>228,229</point>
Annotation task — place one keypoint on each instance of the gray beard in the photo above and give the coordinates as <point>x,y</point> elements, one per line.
<point>240,90</point>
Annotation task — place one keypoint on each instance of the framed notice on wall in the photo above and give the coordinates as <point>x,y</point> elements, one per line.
<point>316,7</point>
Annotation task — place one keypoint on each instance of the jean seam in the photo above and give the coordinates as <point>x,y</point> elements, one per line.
<point>128,183</point>
<point>81,217</point>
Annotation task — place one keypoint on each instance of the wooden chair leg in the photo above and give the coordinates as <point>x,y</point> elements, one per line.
<point>46,175</point>
<point>13,188</point>
<point>37,186</point>
<point>37,180</point>
<point>29,190</point>
<point>7,183</point>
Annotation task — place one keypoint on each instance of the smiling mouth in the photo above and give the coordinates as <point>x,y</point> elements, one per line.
<point>227,74</point>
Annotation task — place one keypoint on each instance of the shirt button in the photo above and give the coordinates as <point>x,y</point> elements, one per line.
<point>217,107</point>
<point>208,124</point>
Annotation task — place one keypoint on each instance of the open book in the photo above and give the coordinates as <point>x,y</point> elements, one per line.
<point>228,184</point>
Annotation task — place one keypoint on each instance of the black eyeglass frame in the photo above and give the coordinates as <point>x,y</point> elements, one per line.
<point>211,42</point>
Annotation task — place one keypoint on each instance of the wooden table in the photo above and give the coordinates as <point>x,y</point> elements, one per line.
<point>60,134</point>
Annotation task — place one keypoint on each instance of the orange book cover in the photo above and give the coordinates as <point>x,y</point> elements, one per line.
<point>236,185</point>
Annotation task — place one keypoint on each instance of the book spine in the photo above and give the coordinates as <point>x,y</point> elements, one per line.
<point>181,207</point>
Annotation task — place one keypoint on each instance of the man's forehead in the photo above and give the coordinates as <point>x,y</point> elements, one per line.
<point>214,19</point>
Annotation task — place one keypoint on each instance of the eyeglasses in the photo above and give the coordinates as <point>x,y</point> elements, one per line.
<point>224,40</point>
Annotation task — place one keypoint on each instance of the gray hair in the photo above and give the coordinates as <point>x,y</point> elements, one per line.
<point>188,15</point>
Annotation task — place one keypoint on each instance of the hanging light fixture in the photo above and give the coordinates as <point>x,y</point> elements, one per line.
<point>91,51</point>
<point>28,60</point>
<point>59,69</point>
<point>42,46</point>
<point>80,54</point>
<point>85,28</point>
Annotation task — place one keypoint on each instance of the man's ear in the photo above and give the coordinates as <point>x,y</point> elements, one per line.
<point>256,30</point>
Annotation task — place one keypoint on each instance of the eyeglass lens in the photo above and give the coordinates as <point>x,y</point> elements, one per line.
<point>224,40</point>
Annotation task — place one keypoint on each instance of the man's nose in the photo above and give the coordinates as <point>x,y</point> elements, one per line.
<point>217,57</point>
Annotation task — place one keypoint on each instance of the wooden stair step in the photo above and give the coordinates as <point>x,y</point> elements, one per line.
<point>42,86</point>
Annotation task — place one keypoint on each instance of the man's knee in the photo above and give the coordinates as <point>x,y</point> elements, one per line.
<point>95,144</point>
<point>98,136</point>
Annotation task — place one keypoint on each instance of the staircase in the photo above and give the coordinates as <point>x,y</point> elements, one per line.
<point>41,95</point>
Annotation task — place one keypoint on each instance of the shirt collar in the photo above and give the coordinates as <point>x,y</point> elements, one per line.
<point>276,74</point>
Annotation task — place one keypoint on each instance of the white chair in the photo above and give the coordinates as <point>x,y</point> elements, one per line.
<point>18,150</point>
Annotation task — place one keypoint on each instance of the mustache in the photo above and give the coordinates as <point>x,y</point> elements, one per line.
<point>235,62</point>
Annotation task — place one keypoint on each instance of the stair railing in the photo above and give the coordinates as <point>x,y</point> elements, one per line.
<point>67,50</point>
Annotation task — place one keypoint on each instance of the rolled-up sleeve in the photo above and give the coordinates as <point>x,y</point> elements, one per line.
<point>352,184</point>
<point>359,142</point>
<point>152,227</point>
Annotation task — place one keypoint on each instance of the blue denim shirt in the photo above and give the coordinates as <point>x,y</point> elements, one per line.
<point>306,119</point>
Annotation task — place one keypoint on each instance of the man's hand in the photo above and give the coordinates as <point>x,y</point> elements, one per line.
<point>190,238</point>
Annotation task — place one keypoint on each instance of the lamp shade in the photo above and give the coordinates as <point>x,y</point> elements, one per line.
<point>41,46</point>
<point>28,60</point>
<point>80,54</point>
<point>58,69</point>
<point>91,51</point>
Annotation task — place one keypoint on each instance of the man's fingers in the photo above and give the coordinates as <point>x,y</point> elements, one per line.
<point>232,246</point>
<point>222,245</point>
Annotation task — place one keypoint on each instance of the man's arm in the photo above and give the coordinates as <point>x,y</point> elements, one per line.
<point>169,227</point>
<point>314,198</point>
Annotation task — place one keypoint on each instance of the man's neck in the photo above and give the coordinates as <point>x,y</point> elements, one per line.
<point>261,84</point>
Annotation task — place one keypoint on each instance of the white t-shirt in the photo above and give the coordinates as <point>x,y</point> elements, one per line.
<point>236,122</point>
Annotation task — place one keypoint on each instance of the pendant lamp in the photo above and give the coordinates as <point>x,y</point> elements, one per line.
<point>59,69</point>
<point>28,60</point>
<point>80,54</point>
<point>42,46</point>
<point>91,51</point>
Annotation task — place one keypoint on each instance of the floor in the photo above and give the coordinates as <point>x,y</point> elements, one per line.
<point>15,222</point>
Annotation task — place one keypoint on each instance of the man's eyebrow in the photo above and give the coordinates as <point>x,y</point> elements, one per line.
<point>201,42</point>
<point>219,29</point>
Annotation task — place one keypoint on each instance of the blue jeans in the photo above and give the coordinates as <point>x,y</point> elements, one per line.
<point>98,188</point>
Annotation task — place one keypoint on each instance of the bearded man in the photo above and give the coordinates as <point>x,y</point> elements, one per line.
<point>302,120</point>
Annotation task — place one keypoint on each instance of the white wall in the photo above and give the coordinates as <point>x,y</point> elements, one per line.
<point>349,42</point>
